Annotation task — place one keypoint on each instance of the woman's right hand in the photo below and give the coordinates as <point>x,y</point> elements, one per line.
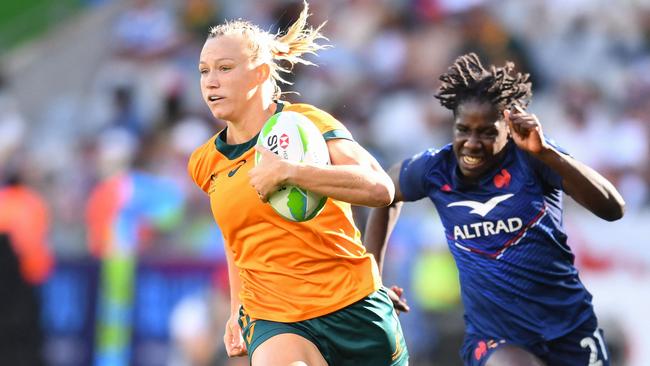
<point>233,338</point>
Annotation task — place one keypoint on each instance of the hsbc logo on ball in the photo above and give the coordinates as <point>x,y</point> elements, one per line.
<point>284,141</point>
<point>273,142</point>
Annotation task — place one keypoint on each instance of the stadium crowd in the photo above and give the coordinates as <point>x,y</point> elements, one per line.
<point>141,114</point>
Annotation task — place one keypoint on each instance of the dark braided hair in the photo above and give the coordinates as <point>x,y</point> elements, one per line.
<point>468,80</point>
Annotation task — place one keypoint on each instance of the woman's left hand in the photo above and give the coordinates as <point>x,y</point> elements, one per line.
<point>525,130</point>
<point>399,303</point>
<point>269,174</point>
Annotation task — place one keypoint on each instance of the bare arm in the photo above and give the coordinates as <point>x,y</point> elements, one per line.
<point>381,223</point>
<point>579,181</point>
<point>232,337</point>
<point>234,282</point>
<point>354,176</point>
<point>585,185</point>
<point>382,220</point>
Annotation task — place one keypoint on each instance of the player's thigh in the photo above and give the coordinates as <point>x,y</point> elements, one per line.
<point>509,355</point>
<point>287,349</point>
<point>366,333</point>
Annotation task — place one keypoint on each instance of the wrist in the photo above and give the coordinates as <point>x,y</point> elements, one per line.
<point>234,309</point>
<point>234,314</point>
<point>545,153</point>
<point>290,172</point>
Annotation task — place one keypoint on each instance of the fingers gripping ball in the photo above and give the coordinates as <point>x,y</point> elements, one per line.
<point>292,136</point>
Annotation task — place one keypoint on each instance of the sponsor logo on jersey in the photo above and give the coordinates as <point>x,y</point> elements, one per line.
<point>239,165</point>
<point>511,225</point>
<point>480,208</point>
<point>486,228</point>
<point>502,179</point>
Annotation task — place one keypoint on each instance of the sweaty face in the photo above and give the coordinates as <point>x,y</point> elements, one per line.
<point>480,134</point>
<point>228,77</point>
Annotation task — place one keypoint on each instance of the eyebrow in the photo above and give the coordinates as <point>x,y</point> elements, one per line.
<point>217,60</point>
<point>482,128</point>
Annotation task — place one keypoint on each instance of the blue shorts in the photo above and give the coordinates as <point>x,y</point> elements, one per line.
<point>583,346</point>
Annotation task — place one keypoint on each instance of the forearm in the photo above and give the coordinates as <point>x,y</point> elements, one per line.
<point>381,223</point>
<point>585,185</point>
<point>356,184</point>
<point>234,283</point>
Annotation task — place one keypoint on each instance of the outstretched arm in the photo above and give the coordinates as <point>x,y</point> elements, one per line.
<point>381,223</point>
<point>382,220</point>
<point>354,176</point>
<point>582,183</point>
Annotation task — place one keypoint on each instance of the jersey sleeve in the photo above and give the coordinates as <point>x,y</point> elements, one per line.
<point>330,127</point>
<point>198,170</point>
<point>412,177</point>
<point>548,176</point>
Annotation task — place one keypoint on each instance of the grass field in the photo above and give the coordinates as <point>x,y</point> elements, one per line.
<point>22,20</point>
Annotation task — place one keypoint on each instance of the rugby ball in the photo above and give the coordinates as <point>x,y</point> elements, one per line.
<point>294,137</point>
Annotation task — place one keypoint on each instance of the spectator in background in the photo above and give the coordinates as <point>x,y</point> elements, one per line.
<point>20,329</point>
<point>371,81</point>
<point>198,15</point>
<point>125,113</point>
<point>24,216</point>
<point>124,211</point>
<point>25,263</point>
<point>488,38</point>
<point>144,72</point>
<point>146,31</point>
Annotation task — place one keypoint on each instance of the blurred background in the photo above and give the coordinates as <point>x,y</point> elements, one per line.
<point>100,108</point>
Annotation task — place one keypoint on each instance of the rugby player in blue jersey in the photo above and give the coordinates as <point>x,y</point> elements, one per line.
<point>498,190</point>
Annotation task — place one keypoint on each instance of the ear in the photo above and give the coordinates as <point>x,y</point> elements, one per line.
<point>262,72</point>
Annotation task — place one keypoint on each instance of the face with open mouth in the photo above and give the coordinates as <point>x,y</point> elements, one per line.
<point>480,134</point>
<point>228,77</point>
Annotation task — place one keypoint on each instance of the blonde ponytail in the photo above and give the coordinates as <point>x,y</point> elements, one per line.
<point>279,48</point>
<point>298,40</point>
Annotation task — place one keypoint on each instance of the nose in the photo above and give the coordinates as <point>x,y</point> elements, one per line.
<point>473,142</point>
<point>211,80</point>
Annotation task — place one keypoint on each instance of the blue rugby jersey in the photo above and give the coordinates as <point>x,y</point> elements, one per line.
<point>505,232</point>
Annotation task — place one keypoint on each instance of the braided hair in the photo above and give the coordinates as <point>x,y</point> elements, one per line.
<point>467,79</point>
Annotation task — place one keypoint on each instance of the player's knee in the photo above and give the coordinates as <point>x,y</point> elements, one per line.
<point>509,355</point>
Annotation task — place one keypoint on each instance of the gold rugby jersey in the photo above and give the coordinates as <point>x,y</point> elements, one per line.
<point>290,271</point>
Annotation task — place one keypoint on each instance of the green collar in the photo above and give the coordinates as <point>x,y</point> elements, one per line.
<point>232,152</point>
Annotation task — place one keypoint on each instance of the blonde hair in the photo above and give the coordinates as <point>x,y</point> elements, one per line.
<point>278,48</point>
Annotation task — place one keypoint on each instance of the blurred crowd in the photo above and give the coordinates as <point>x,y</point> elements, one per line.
<point>110,166</point>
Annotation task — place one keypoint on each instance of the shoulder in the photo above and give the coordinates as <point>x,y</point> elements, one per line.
<point>201,152</point>
<point>308,110</point>
<point>425,171</point>
<point>201,161</point>
<point>431,157</point>
<point>329,126</point>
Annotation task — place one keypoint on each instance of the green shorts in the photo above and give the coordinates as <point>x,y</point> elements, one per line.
<point>364,333</point>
